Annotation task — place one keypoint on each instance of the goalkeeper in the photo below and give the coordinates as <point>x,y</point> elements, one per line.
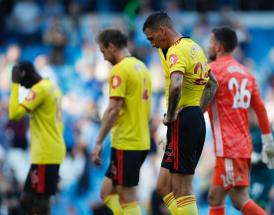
<point>228,114</point>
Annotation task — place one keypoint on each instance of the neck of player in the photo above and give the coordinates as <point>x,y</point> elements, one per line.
<point>174,37</point>
<point>121,54</point>
<point>223,54</point>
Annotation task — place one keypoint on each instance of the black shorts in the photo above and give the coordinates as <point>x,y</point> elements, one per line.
<point>124,168</point>
<point>42,179</point>
<point>185,141</point>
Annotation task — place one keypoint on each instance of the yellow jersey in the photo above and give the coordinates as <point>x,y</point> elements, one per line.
<point>187,57</point>
<point>46,125</point>
<point>130,80</point>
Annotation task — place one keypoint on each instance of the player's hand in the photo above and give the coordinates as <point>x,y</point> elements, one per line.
<point>96,154</point>
<point>162,144</point>
<point>256,158</point>
<point>17,75</point>
<point>268,150</point>
<point>168,120</point>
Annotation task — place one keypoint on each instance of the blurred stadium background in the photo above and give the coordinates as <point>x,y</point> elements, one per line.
<point>59,37</point>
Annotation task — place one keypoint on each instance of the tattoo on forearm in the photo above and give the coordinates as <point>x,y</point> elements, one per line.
<point>208,95</point>
<point>174,93</point>
<point>209,91</point>
<point>173,100</point>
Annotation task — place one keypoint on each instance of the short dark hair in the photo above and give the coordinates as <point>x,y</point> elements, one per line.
<point>157,19</point>
<point>116,37</point>
<point>227,37</point>
<point>27,66</point>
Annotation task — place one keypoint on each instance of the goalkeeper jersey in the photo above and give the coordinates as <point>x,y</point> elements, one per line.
<point>228,111</point>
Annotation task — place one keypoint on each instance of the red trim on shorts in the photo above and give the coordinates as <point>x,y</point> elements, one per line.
<point>120,167</point>
<point>41,178</point>
<point>176,144</point>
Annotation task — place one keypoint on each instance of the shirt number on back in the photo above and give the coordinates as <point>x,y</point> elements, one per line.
<point>242,95</point>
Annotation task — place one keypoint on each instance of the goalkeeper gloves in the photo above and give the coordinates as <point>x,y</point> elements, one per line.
<point>268,150</point>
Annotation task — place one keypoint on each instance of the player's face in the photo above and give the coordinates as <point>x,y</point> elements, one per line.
<point>27,83</point>
<point>26,80</point>
<point>156,38</point>
<point>213,45</point>
<point>107,53</point>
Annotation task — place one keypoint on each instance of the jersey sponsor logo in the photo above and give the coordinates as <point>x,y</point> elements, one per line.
<point>31,96</point>
<point>173,60</point>
<point>115,81</point>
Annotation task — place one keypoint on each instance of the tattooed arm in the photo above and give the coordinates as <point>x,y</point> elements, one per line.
<point>209,91</point>
<point>175,91</point>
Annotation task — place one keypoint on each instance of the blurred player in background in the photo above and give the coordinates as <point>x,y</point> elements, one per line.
<point>259,186</point>
<point>186,73</point>
<point>47,145</point>
<point>127,116</point>
<point>229,121</point>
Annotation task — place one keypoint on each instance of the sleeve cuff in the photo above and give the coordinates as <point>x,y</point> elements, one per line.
<point>266,138</point>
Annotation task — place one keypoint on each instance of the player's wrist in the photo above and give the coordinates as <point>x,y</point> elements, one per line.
<point>267,138</point>
<point>169,116</point>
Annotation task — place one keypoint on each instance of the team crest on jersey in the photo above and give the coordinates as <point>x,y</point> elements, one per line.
<point>172,60</point>
<point>31,96</point>
<point>115,81</point>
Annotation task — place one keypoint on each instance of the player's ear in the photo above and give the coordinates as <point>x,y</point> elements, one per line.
<point>219,47</point>
<point>111,46</point>
<point>162,29</point>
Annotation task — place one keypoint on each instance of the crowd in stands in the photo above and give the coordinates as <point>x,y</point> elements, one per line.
<point>59,37</point>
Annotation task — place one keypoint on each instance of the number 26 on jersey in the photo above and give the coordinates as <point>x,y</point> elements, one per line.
<point>242,95</point>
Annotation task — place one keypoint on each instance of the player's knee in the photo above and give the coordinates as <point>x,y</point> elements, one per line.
<point>163,189</point>
<point>181,191</point>
<point>104,194</point>
<point>238,201</point>
<point>213,199</point>
<point>127,198</point>
<point>239,196</point>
